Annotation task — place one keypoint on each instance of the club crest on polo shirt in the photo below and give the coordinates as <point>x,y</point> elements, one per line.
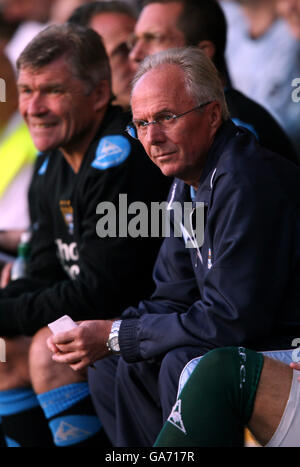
<point>112,150</point>
<point>68,214</point>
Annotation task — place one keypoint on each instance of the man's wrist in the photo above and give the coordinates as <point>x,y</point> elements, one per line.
<point>113,339</point>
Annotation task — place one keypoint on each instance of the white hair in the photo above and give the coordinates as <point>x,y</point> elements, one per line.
<point>202,80</point>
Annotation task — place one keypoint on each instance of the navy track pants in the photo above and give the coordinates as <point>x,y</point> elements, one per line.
<point>133,400</point>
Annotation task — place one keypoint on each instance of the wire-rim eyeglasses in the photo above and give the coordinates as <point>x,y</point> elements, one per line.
<point>137,128</point>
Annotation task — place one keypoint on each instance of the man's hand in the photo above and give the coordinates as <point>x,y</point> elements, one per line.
<point>5,275</point>
<point>81,346</point>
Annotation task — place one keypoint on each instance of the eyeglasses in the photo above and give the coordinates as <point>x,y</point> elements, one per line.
<point>147,38</point>
<point>138,128</point>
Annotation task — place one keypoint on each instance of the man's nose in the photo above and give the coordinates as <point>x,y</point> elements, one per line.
<point>137,53</point>
<point>36,105</point>
<point>155,134</point>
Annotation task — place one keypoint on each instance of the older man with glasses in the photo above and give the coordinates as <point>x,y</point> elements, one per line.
<point>238,286</point>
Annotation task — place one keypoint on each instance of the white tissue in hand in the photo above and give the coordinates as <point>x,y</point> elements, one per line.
<point>65,323</point>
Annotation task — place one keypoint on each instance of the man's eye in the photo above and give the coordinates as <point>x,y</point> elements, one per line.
<point>25,91</point>
<point>164,118</point>
<point>55,91</point>
<point>153,38</point>
<point>141,124</point>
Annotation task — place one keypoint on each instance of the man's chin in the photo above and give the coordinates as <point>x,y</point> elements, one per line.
<point>44,146</point>
<point>168,170</point>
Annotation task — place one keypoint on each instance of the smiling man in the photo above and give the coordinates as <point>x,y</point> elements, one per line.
<point>240,286</point>
<point>57,109</point>
<point>64,96</point>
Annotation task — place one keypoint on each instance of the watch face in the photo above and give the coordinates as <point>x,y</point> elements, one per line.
<point>114,344</point>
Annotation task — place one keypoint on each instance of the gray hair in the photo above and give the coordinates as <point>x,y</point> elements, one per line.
<point>82,47</point>
<point>202,80</point>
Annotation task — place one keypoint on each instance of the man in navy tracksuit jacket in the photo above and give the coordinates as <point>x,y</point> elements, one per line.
<point>240,287</point>
<point>244,292</point>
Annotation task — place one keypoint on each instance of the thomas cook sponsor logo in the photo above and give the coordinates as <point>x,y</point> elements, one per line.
<point>68,253</point>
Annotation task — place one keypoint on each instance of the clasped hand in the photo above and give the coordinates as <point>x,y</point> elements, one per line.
<point>81,346</point>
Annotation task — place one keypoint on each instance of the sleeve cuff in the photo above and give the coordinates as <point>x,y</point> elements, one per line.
<point>128,340</point>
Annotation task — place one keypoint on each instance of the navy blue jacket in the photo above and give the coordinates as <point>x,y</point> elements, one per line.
<point>243,285</point>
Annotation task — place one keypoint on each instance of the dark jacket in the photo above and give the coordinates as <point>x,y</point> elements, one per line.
<point>72,270</point>
<point>248,113</point>
<point>241,287</point>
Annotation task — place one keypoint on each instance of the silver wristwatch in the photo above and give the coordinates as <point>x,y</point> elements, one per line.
<point>113,339</point>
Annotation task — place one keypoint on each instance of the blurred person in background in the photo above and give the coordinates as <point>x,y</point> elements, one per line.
<point>62,9</point>
<point>138,4</point>
<point>7,30</point>
<point>26,10</point>
<point>263,57</point>
<point>290,11</point>
<point>165,24</point>
<point>31,16</point>
<point>114,21</point>
<point>17,155</point>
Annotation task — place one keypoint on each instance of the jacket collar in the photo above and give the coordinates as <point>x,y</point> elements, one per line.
<point>223,135</point>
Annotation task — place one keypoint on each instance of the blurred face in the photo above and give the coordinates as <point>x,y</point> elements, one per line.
<point>56,107</point>
<point>22,10</point>
<point>181,150</point>
<point>9,107</point>
<point>156,30</point>
<point>290,11</point>
<point>61,10</point>
<point>115,30</point>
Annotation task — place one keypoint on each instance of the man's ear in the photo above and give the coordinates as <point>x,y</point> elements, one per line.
<point>208,48</point>
<point>215,116</point>
<point>102,94</point>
